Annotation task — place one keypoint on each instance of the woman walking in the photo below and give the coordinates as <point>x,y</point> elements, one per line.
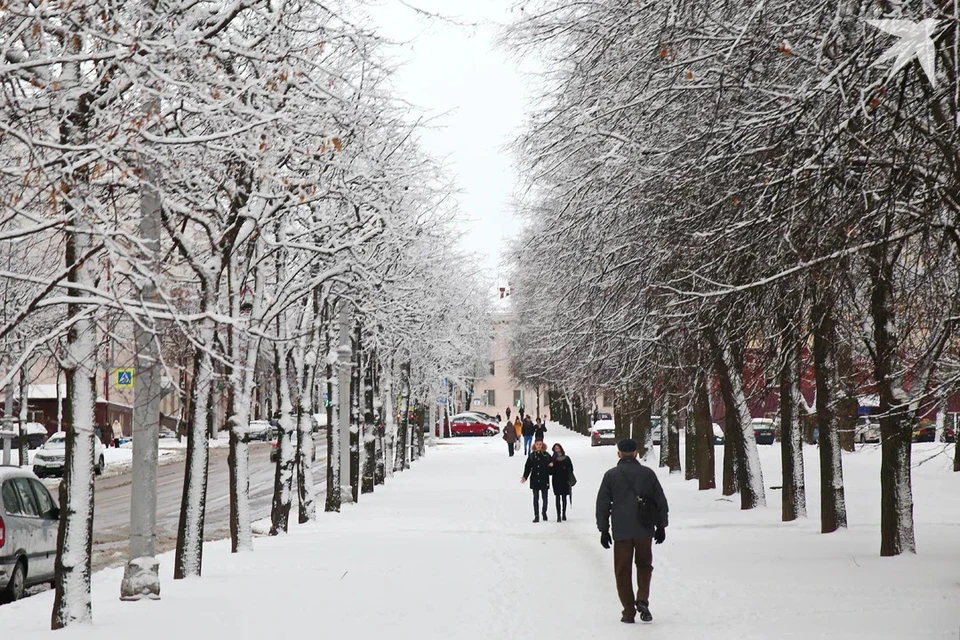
<point>537,469</point>
<point>509,436</point>
<point>562,471</point>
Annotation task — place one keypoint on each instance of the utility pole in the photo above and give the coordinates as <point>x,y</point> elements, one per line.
<point>141,577</point>
<point>345,353</point>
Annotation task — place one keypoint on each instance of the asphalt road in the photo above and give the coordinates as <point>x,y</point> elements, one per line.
<point>111,521</point>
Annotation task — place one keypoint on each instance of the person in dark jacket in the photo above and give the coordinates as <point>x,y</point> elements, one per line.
<point>527,429</point>
<point>539,430</point>
<point>632,538</point>
<point>537,469</point>
<point>509,436</point>
<point>562,471</point>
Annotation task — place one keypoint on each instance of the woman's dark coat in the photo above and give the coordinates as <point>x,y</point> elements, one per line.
<point>562,470</point>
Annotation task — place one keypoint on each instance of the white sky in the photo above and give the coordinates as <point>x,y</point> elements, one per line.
<point>457,72</point>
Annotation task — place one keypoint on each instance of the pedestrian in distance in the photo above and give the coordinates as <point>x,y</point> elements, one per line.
<point>508,413</point>
<point>563,480</point>
<point>539,430</point>
<point>631,496</point>
<point>537,469</point>
<point>499,419</point>
<point>518,426</point>
<point>509,436</point>
<point>527,429</point>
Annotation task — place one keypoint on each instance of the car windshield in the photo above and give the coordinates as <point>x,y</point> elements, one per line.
<point>56,443</point>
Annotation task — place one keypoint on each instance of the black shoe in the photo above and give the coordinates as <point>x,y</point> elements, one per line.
<point>545,518</point>
<point>536,519</point>
<point>564,517</point>
<point>643,608</point>
<point>627,620</point>
<point>559,518</point>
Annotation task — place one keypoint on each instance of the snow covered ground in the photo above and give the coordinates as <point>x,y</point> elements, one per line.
<point>447,550</point>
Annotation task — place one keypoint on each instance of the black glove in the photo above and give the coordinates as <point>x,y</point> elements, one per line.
<point>660,535</point>
<point>605,540</point>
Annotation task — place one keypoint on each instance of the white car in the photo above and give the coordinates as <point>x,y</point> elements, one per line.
<point>603,432</point>
<point>868,430</point>
<point>49,459</point>
<point>29,519</point>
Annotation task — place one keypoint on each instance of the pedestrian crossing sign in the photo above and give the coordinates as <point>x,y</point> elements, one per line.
<point>124,378</point>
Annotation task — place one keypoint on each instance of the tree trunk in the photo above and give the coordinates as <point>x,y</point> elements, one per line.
<point>749,475</point>
<point>642,426</point>
<point>896,490</point>
<point>404,426</point>
<point>283,476</point>
<point>833,511</point>
<point>241,535</point>
<point>355,415</point>
<point>420,426</point>
<point>621,414</point>
<point>369,434</point>
<point>691,445</point>
<point>791,436</point>
<point>706,466</point>
<point>72,602</point>
<point>306,509</point>
<point>666,417</point>
<point>672,435</point>
<point>332,504</point>
<point>189,555</point>
<point>380,464</point>
<point>24,448</point>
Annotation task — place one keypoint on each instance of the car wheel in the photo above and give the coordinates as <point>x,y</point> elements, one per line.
<point>18,580</point>
<point>100,466</point>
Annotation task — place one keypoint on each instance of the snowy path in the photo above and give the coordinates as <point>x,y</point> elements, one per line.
<point>447,550</point>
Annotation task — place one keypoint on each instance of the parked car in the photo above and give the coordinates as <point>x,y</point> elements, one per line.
<point>474,415</point>
<point>868,430</point>
<point>260,430</point>
<point>274,451</point>
<point>319,421</point>
<point>29,519</point>
<point>599,415</point>
<point>49,459</point>
<point>949,434</point>
<point>718,436</point>
<point>471,425</point>
<point>603,432</point>
<point>925,432</point>
<point>36,434</point>
<point>763,430</point>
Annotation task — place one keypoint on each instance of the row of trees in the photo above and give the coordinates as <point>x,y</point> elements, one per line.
<point>714,183</point>
<point>232,191</point>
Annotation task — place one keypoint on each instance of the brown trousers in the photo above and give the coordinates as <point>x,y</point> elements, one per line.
<point>625,554</point>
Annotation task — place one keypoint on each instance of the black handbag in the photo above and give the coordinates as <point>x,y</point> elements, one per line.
<point>647,509</point>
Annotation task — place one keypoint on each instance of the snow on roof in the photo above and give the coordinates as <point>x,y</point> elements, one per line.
<point>46,391</point>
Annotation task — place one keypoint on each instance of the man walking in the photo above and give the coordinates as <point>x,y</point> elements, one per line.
<point>527,429</point>
<point>631,494</point>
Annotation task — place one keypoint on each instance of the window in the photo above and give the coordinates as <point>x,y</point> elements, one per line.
<point>47,507</point>
<point>27,499</point>
<point>493,368</point>
<point>517,397</point>
<point>608,398</point>
<point>490,398</point>
<point>11,504</point>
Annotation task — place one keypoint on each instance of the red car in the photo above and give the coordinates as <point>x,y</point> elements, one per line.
<point>471,426</point>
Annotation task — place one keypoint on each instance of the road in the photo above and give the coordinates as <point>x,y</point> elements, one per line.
<point>111,522</point>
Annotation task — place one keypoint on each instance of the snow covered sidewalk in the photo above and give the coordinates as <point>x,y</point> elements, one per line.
<point>448,550</point>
